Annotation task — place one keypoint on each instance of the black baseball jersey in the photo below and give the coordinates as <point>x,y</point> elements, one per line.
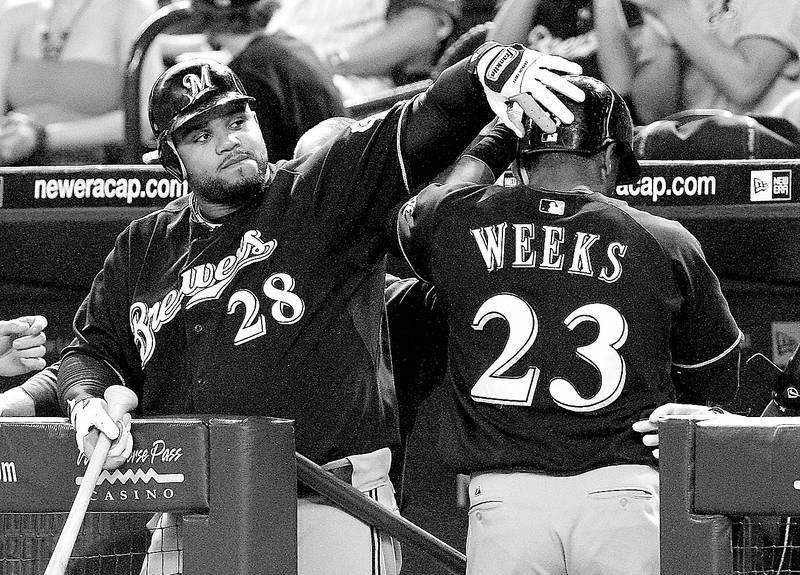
<point>566,313</point>
<point>278,311</point>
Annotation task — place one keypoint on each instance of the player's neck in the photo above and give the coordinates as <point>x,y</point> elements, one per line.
<point>564,182</point>
<point>564,173</point>
<point>213,211</point>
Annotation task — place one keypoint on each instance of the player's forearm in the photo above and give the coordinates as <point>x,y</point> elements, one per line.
<point>484,162</point>
<point>716,383</point>
<point>81,376</point>
<point>443,121</point>
<point>42,389</point>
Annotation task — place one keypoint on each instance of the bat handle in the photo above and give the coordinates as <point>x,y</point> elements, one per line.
<point>120,401</point>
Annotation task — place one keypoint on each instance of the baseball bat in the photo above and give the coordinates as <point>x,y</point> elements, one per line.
<point>373,513</point>
<point>120,401</point>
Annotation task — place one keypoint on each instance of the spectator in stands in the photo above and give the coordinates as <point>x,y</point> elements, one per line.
<point>293,90</point>
<point>740,55</point>
<point>369,47</point>
<point>473,13</point>
<point>612,41</point>
<point>61,75</point>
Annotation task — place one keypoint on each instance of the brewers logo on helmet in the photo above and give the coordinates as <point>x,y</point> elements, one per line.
<point>602,118</point>
<point>182,93</point>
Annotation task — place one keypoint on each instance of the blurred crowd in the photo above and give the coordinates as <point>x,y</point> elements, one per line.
<point>63,62</point>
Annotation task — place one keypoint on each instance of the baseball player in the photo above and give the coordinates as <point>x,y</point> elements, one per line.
<point>571,316</point>
<point>262,291</point>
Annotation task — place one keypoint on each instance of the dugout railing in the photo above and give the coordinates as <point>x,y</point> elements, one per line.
<point>234,478</point>
<point>730,491</point>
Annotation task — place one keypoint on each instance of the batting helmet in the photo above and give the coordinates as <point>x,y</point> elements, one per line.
<point>184,92</point>
<point>602,118</point>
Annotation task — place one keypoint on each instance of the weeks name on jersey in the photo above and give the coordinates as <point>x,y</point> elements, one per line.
<point>527,245</point>
<point>200,283</point>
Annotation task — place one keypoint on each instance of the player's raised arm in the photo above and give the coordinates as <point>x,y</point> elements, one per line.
<point>480,165</point>
<point>485,160</point>
<point>507,81</point>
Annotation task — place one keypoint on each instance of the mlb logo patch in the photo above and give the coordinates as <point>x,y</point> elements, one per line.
<point>548,206</point>
<point>770,185</point>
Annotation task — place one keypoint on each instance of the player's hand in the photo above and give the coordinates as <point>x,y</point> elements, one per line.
<point>519,80</point>
<point>649,426</point>
<point>18,138</point>
<point>90,417</point>
<point>22,345</point>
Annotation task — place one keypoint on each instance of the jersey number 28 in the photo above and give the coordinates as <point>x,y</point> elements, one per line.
<point>493,386</point>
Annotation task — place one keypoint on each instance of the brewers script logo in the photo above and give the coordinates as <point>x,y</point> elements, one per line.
<point>197,85</point>
<point>201,283</point>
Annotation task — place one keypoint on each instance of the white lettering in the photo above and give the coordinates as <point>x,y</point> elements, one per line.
<point>581,262</point>
<point>8,472</point>
<point>491,243</point>
<point>614,249</point>
<point>658,187</point>
<point>552,258</point>
<point>128,189</point>
<point>524,254</point>
<point>201,283</point>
